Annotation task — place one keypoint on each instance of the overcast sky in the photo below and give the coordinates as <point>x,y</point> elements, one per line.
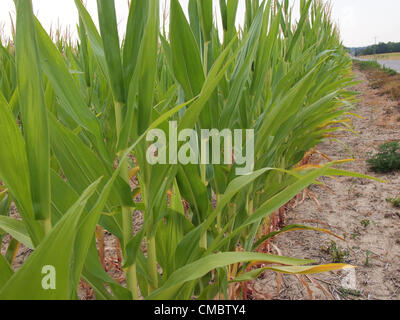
<point>360,21</point>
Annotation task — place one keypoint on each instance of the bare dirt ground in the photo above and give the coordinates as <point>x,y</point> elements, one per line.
<point>355,209</point>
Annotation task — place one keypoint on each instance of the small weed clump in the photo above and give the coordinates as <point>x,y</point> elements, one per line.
<point>389,71</point>
<point>365,223</point>
<point>349,292</point>
<point>337,253</point>
<point>387,160</point>
<point>368,254</point>
<point>394,201</point>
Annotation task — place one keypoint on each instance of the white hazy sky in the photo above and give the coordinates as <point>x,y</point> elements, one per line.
<point>360,21</point>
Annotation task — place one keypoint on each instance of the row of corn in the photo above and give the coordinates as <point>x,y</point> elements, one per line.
<point>74,117</point>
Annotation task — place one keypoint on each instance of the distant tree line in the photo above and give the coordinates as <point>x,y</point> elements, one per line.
<point>378,49</point>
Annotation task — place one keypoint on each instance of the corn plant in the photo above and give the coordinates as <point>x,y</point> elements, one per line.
<point>74,118</point>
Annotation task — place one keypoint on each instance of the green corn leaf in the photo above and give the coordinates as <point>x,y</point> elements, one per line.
<point>186,58</point>
<point>344,173</point>
<point>224,14</point>
<point>231,13</point>
<point>65,87</point>
<point>33,109</point>
<point>148,67</point>
<point>201,267</point>
<point>193,189</point>
<point>16,229</point>
<point>215,75</point>
<point>14,171</point>
<point>5,203</point>
<point>84,52</point>
<point>285,196</point>
<point>110,38</point>
<point>94,37</point>
<point>206,17</point>
<point>5,271</point>
<point>56,251</point>
<point>195,22</point>
<point>242,73</point>
<point>133,247</point>
<point>86,230</point>
<point>63,198</point>
<point>74,156</point>
<point>300,27</point>
<point>190,243</point>
<point>137,20</point>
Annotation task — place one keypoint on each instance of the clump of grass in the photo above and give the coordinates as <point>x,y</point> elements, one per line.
<point>373,65</point>
<point>365,223</point>
<point>387,159</point>
<point>394,201</point>
<point>337,253</point>
<point>348,292</point>
<point>367,65</point>
<point>367,257</point>
<point>389,71</point>
<point>356,234</point>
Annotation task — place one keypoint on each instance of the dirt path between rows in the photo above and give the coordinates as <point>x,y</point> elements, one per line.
<point>347,210</point>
